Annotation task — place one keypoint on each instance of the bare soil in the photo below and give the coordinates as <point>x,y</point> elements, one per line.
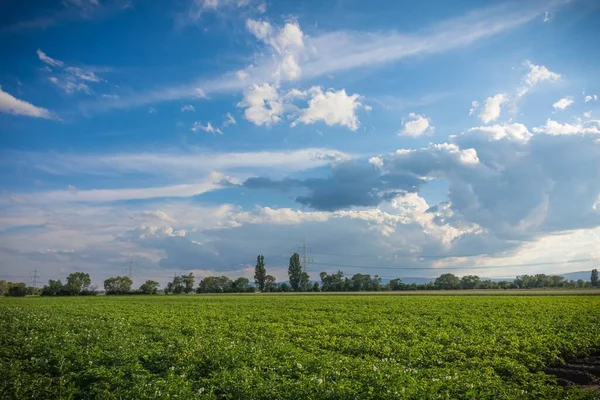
<point>582,372</point>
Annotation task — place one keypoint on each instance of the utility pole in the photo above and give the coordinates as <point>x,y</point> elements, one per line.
<point>130,268</point>
<point>306,259</point>
<point>34,278</point>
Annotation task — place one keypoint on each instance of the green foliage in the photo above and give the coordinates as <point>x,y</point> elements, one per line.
<point>295,272</point>
<point>149,287</point>
<point>17,289</point>
<point>77,283</point>
<point>118,285</point>
<point>594,279</point>
<point>286,347</point>
<point>260,273</point>
<point>3,287</point>
<point>53,288</point>
<point>447,282</point>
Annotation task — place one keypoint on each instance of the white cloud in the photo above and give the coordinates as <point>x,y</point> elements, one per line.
<point>11,105</point>
<point>200,94</point>
<point>229,120</point>
<point>416,125</point>
<point>555,128</point>
<point>474,106</point>
<point>376,161</point>
<point>331,107</point>
<point>80,73</point>
<point>515,132</point>
<point>188,108</point>
<point>464,156</point>
<point>151,110</point>
<point>48,60</point>
<point>563,103</point>
<point>264,107</point>
<point>587,114</point>
<point>536,75</point>
<point>104,195</point>
<point>206,128</point>
<point>492,108</point>
<point>368,108</point>
<point>287,44</point>
<point>335,51</point>
<point>589,98</point>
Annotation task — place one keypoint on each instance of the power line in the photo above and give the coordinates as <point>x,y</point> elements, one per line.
<point>395,256</point>
<point>581,260</point>
<point>34,278</point>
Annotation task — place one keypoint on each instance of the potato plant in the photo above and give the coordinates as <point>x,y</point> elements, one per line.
<point>293,347</point>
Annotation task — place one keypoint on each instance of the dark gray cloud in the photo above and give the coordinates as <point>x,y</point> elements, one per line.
<point>350,184</point>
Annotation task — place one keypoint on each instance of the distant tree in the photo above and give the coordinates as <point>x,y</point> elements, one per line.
<point>305,285</point>
<point>149,287</point>
<point>33,291</point>
<point>396,284</point>
<point>188,282</point>
<point>447,282</point>
<point>241,285</point>
<point>17,289</point>
<point>580,283</point>
<point>469,282</point>
<point>270,283</point>
<point>594,279</point>
<point>77,283</point>
<point>118,285</point>
<point>177,285</point>
<point>295,272</point>
<point>315,287</point>
<point>3,287</point>
<point>53,288</point>
<point>284,287</point>
<point>260,273</point>
<point>332,282</point>
<point>215,284</point>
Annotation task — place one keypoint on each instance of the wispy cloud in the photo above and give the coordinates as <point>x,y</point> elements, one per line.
<point>340,51</point>
<point>11,105</point>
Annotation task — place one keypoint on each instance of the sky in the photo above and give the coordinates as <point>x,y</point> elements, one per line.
<point>404,139</point>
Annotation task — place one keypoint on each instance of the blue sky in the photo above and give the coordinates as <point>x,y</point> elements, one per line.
<point>192,135</point>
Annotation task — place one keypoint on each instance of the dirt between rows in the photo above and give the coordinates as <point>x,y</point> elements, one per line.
<point>582,372</point>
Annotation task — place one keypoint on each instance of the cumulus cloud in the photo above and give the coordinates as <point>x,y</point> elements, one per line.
<point>515,132</point>
<point>11,105</point>
<point>188,108</point>
<point>263,104</point>
<point>492,108</point>
<point>331,107</point>
<point>536,75</point>
<point>589,98</point>
<point>206,128</point>
<point>416,125</point>
<point>563,103</point>
<point>556,128</point>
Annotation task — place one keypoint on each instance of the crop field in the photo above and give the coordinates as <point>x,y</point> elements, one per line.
<point>294,347</point>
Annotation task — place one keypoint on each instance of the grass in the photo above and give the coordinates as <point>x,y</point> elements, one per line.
<point>294,347</point>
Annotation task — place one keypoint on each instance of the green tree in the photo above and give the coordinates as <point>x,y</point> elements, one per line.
<point>118,285</point>
<point>77,283</point>
<point>53,288</point>
<point>270,284</point>
<point>469,282</point>
<point>177,285</point>
<point>215,284</point>
<point>17,289</point>
<point>3,287</point>
<point>594,278</point>
<point>447,282</point>
<point>241,285</point>
<point>188,282</point>
<point>260,273</point>
<point>149,287</point>
<point>295,272</point>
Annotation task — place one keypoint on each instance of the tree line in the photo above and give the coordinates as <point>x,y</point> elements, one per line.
<point>79,283</point>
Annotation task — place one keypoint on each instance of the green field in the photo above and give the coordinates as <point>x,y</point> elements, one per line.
<point>293,347</point>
